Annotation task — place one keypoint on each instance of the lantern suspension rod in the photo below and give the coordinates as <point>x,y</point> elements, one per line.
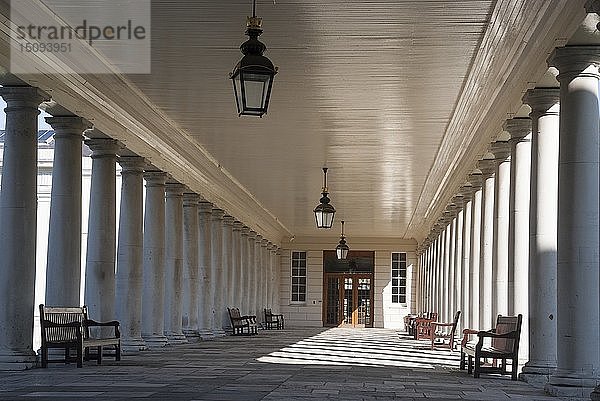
<point>254,8</point>
<point>324,179</point>
<point>342,228</point>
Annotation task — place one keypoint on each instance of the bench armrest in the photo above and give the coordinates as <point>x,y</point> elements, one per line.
<point>48,323</point>
<point>490,334</point>
<point>93,323</point>
<point>442,324</point>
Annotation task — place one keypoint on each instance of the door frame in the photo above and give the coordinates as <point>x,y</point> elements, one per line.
<point>355,280</point>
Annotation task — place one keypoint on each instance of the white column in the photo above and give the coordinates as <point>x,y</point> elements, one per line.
<point>205,273</point>
<point>216,260</point>
<point>518,236</point>
<point>128,300</point>
<point>263,275</point>
<point>244,275</point>
<point>227,278</point>
<point>251,270</point>
<point>102,230</point>
<point>271,277</point>
<point>445,291</point>
<point>153,295</point>
<point>467,192</point>
<point>277,283</point>
<point>501,151</point>
<point>237,289</point>
<point>578,284</point>
<point>174,263</point>
<point>18,225</point>
<point>475,255</point>
<point>63,269</point>
<point>191,276</point>
<point>256,278</point>
<point>542,234</point>
<point>458,201</point>
<point>486,320</point>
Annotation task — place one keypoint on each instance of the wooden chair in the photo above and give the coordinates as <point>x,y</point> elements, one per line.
<point>273,320</point>
<point>242,325</point>
<point>68,328</point>
<point>443,332</point>
<point>423,326</point>
<point>503,346</point>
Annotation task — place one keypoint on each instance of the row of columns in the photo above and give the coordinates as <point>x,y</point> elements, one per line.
<point>180,261</point>
<point>529,233</point>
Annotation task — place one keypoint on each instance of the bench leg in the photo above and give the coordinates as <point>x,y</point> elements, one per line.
<point>44,357</point>
<point>462,360</point>
<point>514,367</point>
<point>99,350</point>
<point>469,364</point>
<point>80,356</point>
<point>476,368</point>
<point>118,352</point>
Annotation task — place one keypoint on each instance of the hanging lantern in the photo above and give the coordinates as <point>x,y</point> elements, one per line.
<point>342,249</point>
<point>324,212</point>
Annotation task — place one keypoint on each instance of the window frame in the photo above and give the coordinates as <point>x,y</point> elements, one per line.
<point>296,286</point>
<point>399,272</point>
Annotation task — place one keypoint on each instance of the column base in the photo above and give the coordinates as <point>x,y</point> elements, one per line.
<point>155,341</point>
<point>133,345</point>
<point>571,384</point>
<point>192,336</point>
<point>206,334</point>
<point>176,338</point>
<point>595,396</point>
<point>219,333</point>
<point>17,360</point>
<point>536,375</point>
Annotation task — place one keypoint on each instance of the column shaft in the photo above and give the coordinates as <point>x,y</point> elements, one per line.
<point>486,320</point>
<point>18,225</point>
<point>129,282</point>
<point>63,269</point>
<point>207,296</point>
<point>191,281</point>
<point>102,227</point>
<point>153,296</point>
<point>217,282</point>
<point>174,263</point>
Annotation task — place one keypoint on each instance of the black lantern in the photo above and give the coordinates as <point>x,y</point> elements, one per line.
<point>253,76</point>
<point>324,212</point>
<point>342,249</point>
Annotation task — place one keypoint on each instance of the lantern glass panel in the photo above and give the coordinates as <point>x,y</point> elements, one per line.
<point>255,89</point>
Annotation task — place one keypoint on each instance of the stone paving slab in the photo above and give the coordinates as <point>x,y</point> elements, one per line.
<point>292,364</point>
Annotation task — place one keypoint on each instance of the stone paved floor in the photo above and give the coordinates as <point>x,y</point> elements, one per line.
<point>293,364</point>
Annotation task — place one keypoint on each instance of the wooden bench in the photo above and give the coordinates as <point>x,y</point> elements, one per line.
<point>68,328</point>
<point>503,345</point>
<point>444,332</point>
<point>273,320</point>
<point>242,325</point>
<point>423,326</point>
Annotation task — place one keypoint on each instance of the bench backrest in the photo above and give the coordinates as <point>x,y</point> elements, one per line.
<point>455,323</point>
<point>506,324</point>
<point>61,315</point>
<point>235,317</point>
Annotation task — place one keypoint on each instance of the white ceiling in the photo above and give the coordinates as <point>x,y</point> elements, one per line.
<point>396,97</point>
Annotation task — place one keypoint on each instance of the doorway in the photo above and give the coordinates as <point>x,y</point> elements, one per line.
<point>348,289</point>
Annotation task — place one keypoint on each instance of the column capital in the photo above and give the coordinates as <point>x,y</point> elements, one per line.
<point>252,235</point>
<point>476,180</point>
<point>501,151</point>
<point>205,207</point>
<point>264,242</point>
<point>574,61</point>
<point>237,225</point>
<point>68,125</point>
<point>487,167</point>
<point>518,128</point>
<point>259,237</point>
<point>458,200</point>
<point>245,231</point>
<point>155,178</point>
<point>466,191</point>
<point>228,220</point>
<point>18,97</point>
<point>217,214</point>
<point>174,189</point>
<point>542,101</point>
<point>131,164</point>
<point>190,199</point>
<point>103,147</point>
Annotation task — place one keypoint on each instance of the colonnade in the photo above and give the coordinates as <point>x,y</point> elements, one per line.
<point>530,236</point>
<point>168,273</point>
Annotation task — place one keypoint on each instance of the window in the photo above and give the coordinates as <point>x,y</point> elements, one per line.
<point>398,277</point>
<point>298,276</point>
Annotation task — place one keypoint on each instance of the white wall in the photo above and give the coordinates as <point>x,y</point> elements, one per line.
<point>310,313</point>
